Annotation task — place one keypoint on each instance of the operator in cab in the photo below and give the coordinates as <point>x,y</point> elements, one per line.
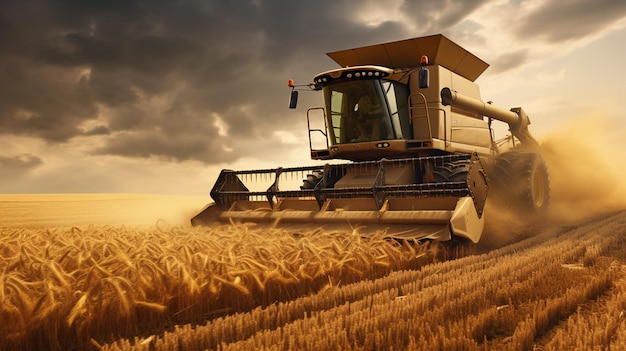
<point>368,119</point>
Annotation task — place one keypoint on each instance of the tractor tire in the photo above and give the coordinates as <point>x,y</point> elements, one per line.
<point>521,182</point>
<point>452,171</point>
<point>504,170</point>
<point>311,180</point>
<point>536,184</point>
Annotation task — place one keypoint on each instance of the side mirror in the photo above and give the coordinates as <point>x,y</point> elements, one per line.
<point>293,99</point>
<point>424,78</point>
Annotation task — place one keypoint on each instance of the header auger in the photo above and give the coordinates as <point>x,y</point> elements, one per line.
<point>409,117</point>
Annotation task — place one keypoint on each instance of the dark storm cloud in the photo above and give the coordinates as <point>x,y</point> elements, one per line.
<point>508,61</point>
<point>151,77</point>
<point>156,72</point>
<point>437,15</point>
<point>11,167</point>
<point>558,21</point>
<point>146,144</point>
<point>41,101</point>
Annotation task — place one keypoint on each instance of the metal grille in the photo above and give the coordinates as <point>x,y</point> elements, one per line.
<point>231,185</point>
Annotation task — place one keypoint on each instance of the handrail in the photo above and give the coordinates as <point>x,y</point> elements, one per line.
<point>413,107</point>
<point>323,132</point>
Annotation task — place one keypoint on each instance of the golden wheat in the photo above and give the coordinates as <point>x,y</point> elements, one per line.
<point>99,281</point>
<point>83,287</point>
<point>507,299</point>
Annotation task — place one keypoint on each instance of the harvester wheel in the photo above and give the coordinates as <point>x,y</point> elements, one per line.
<point>311,180</point>
<point>521,182</point>
<point>535,182</point>
<point>504,170</point>
<point>455,171</point>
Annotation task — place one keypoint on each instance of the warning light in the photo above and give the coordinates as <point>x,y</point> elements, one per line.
<point>291,83</point>
<point>424,60</point>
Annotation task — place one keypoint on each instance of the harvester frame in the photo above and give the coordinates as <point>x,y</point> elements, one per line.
<point>409,116</point>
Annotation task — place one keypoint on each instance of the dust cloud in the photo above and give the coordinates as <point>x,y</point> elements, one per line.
<point>586,170</point>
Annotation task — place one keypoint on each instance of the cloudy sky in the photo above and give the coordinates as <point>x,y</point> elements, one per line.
<point>156,96</point>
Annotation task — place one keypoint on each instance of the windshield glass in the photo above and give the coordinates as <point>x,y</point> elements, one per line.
<point>358,111</point>
<point>397,97</point>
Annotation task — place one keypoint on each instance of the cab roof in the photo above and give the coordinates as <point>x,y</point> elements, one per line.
<point>407,53</point>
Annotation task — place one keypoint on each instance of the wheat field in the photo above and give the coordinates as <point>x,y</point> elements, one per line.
<point>120,272</point>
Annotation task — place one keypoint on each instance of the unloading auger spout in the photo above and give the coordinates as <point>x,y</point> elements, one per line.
<point>516,118</point>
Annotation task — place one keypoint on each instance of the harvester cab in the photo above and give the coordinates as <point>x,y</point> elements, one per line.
<point>409,117</point>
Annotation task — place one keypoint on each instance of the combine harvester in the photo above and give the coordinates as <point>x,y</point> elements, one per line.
<point>410,118</point>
